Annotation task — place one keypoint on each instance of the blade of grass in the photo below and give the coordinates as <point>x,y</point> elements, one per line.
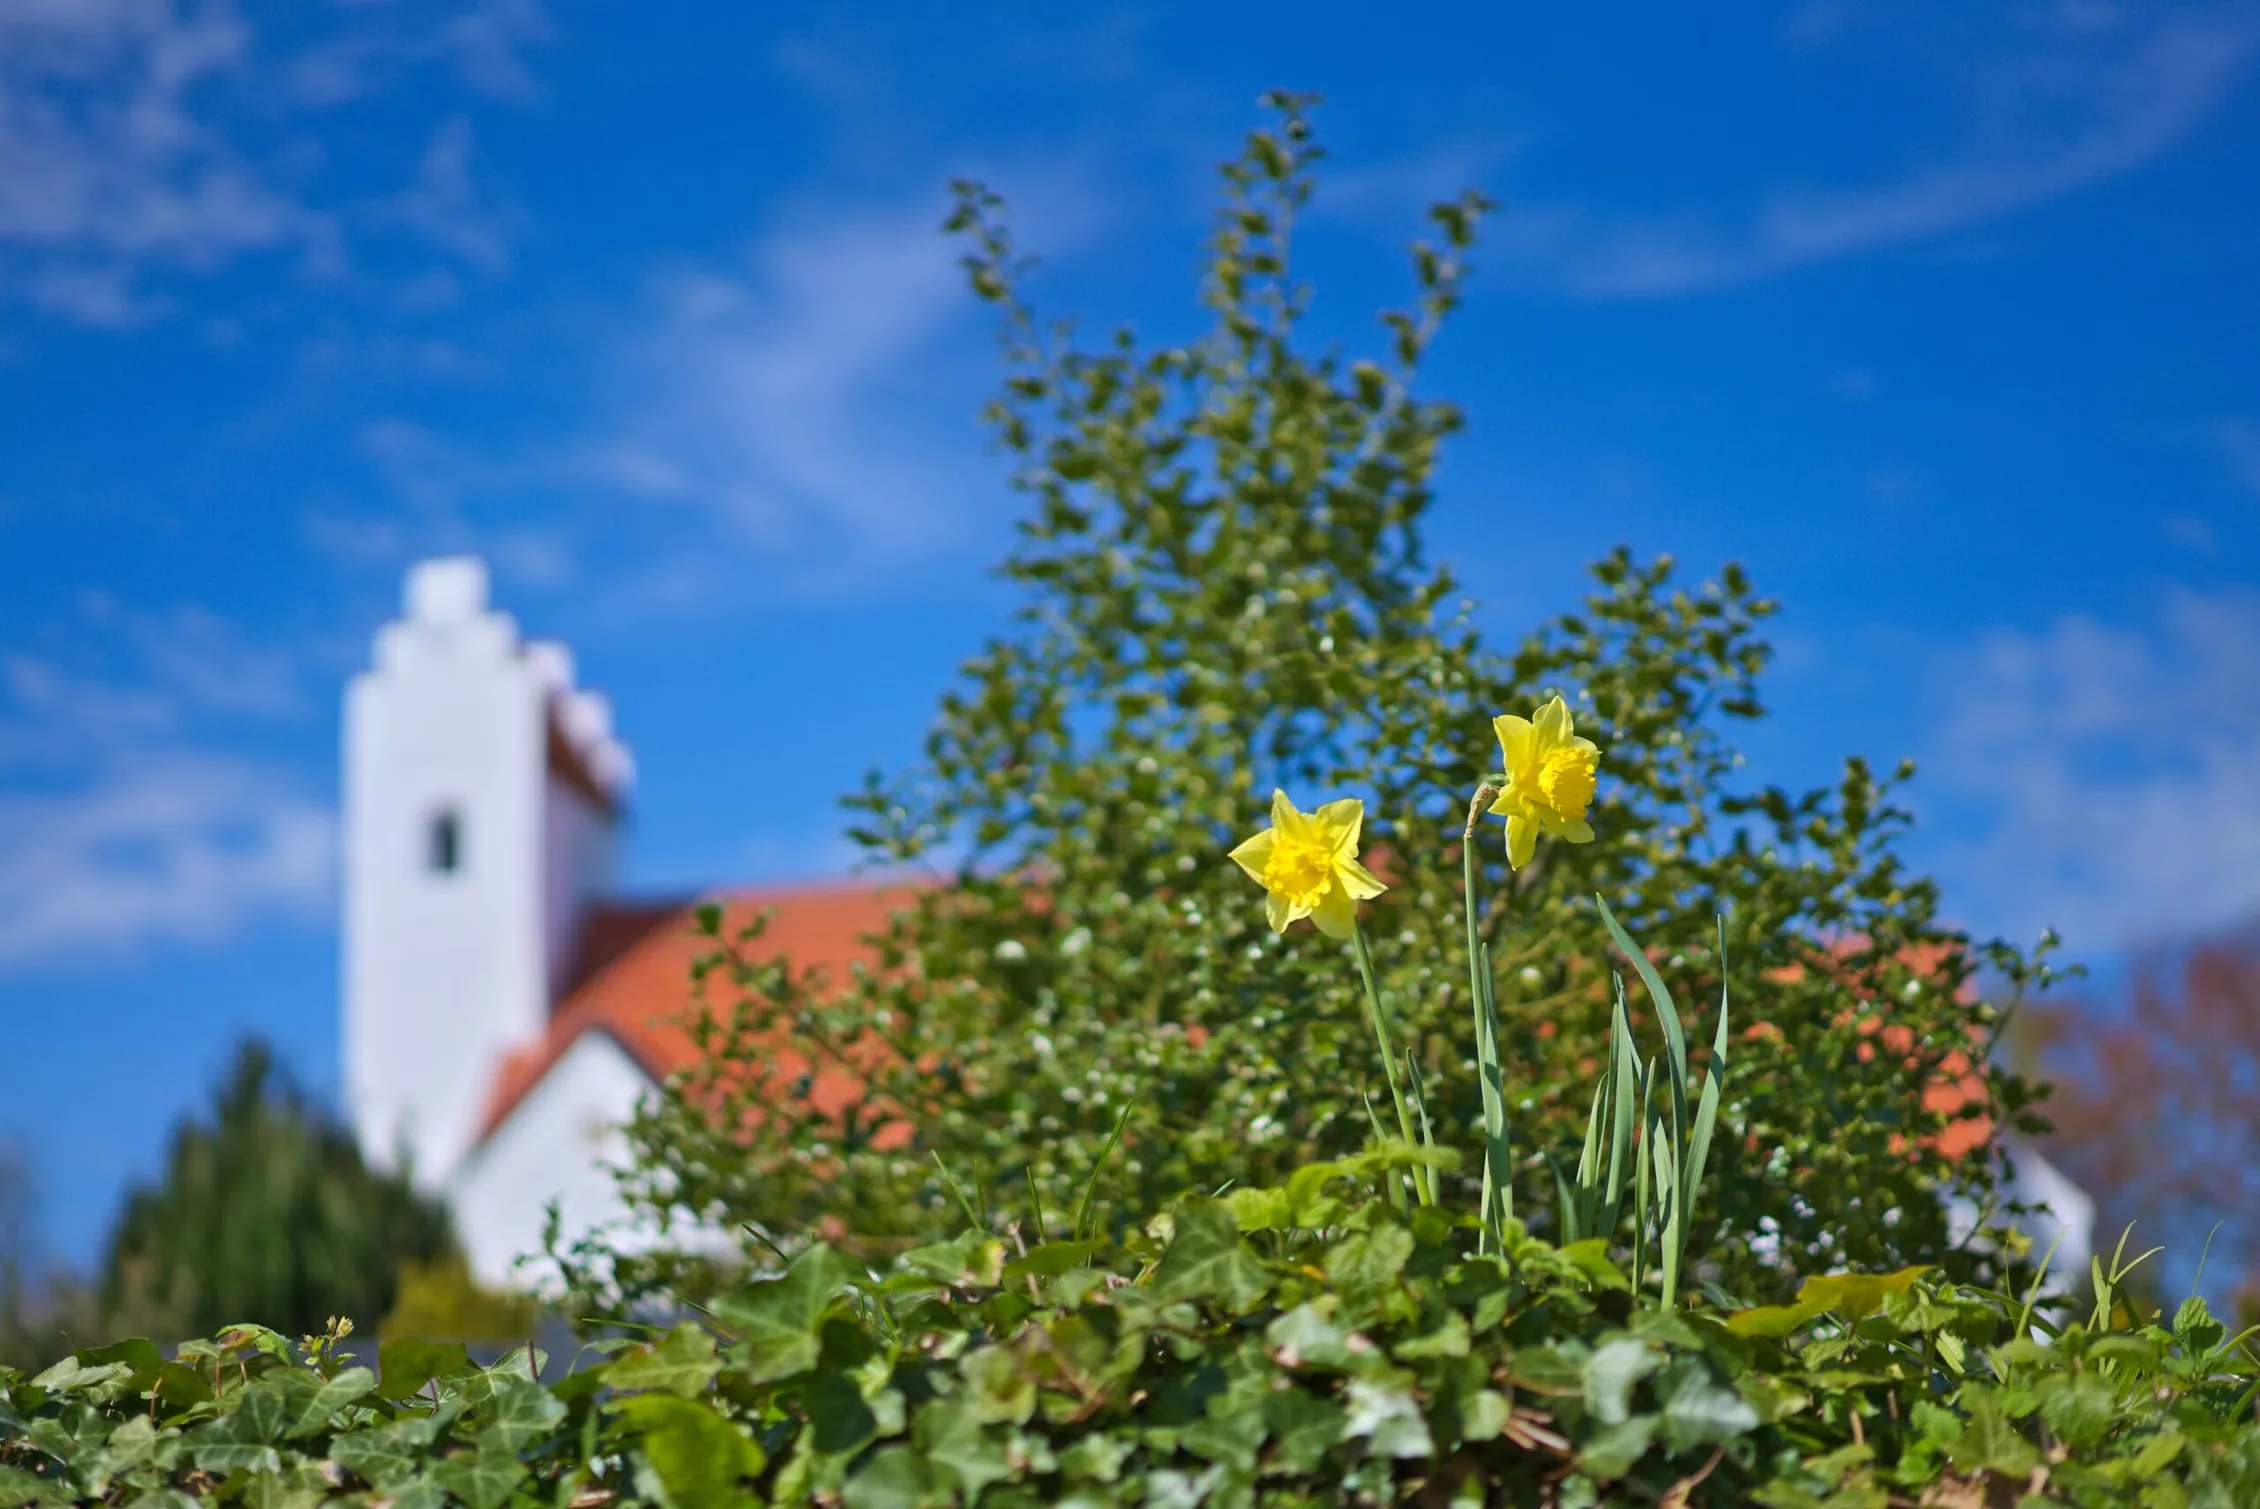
<point>1036,1199</point>
<point>1667,1012</point>
<point>1098,1166</point>
<point>972,1217</point>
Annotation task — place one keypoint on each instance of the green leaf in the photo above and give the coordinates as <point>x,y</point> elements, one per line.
<point>839,1418</point>
<point>1700,1411</point>
<point>18,1487</point>
<point>522,1414</point>
<point>1990,1443</point>
<point>386,1457</point>
<point>137,1353</point>
<point>952,1435</point>
<point>1366,1262</point>
<point>699,1456</point>
<point>481,1479</point>
<point>998,1388</point>
<point>681,1362</point>
<point>1206,1261</point>
<point>1856,1296</point>
<point>1303,1427</point>
<point>350,1386</point>
<point>2079,1407</point>
<point>408,1365</point>
<point>1389,1417</point>
<point>1610,1374</point>
<point>1611,1451</point>
<point>896,1478</point>
<point>778,1321</point>
<point>1050,1260</point>
<point>1591,1258</point>
<point>1261,1209</point>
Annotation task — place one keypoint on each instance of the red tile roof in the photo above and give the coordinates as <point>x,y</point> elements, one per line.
<point>632,979</point>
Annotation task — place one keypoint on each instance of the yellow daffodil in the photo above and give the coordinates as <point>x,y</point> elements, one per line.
<point>1308,862</point>
<point>1549,779</point>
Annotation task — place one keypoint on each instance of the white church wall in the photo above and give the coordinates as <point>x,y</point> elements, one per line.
<point>446,958</point>
<point>559,1143</point>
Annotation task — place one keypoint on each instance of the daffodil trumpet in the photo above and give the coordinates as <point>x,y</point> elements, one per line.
<point>1549,779</point>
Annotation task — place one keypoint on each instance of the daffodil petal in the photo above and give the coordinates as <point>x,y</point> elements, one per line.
<point>1515,734</point>
<point>1282,810</point>
<point>1358,880</point>
<point>1336,913</point>
<point>1552,722</point>
<point>1277,911</point>
<point>1522,840</point>
<point>1577,833</point>
<point>1341,821</point>
<point>1253,855</point>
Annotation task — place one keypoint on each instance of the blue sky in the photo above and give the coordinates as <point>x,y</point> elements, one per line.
<point>1940,317</point>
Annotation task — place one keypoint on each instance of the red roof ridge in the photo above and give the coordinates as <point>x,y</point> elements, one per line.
<point>632,980</point>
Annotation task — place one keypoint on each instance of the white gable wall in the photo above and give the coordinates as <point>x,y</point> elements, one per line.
<point>560,1143</point>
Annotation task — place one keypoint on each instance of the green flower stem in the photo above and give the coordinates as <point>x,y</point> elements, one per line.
<point>1498,1186</point>
<point>1383,1036</point>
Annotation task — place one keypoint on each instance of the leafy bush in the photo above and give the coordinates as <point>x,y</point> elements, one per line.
<point>1308,1344</point>
<point>265,1212</point>
<point>1227,590</point>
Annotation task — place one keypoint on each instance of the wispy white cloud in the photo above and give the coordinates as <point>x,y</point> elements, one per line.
<point>144,139</point>
<point>802,408</point>
<point>125,820</point>
<point>182,847</point>
<point>447,209</point>
<point>103,161</point>
<point>2112,771</point>
<point>2081,95</point>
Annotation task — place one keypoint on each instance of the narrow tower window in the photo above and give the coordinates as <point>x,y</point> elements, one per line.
<point>443,842</point>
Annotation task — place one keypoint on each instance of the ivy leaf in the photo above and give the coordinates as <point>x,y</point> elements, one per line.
<point>523,1414</point>
<point>1050,1260</point>
<point>951,1434</point>
<point>386,1457</point>
<point>999,1388</point>
<point>1303,1427</point>
<point>1613,1449</point>
<point>896,1478</point>
<point>313,1414</point>
<point>1610,1375</point>
<point>839,1418</point>
<point>1389,1417</point>
<point>700,1457</point>
<point>779,1320</point>
<point>408,1365</point>
<point>1206,1261</point>
<point>1700,1410</point>
<point>1366,1262</point>
<point>681,1362</point>
<point>482,1479</point>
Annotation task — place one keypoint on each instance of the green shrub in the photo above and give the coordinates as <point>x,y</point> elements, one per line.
<point>1227,589</point>
<point>1309,1344</point>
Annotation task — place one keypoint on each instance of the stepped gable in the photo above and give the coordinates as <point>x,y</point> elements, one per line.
<point>631,978</point>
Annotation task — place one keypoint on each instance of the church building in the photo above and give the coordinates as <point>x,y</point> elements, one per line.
<point>504,1009</point>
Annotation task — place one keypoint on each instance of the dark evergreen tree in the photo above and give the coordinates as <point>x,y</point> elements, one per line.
<point>265,1213</point>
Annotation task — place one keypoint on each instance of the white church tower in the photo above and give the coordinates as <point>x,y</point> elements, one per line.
<point>482,796</point>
